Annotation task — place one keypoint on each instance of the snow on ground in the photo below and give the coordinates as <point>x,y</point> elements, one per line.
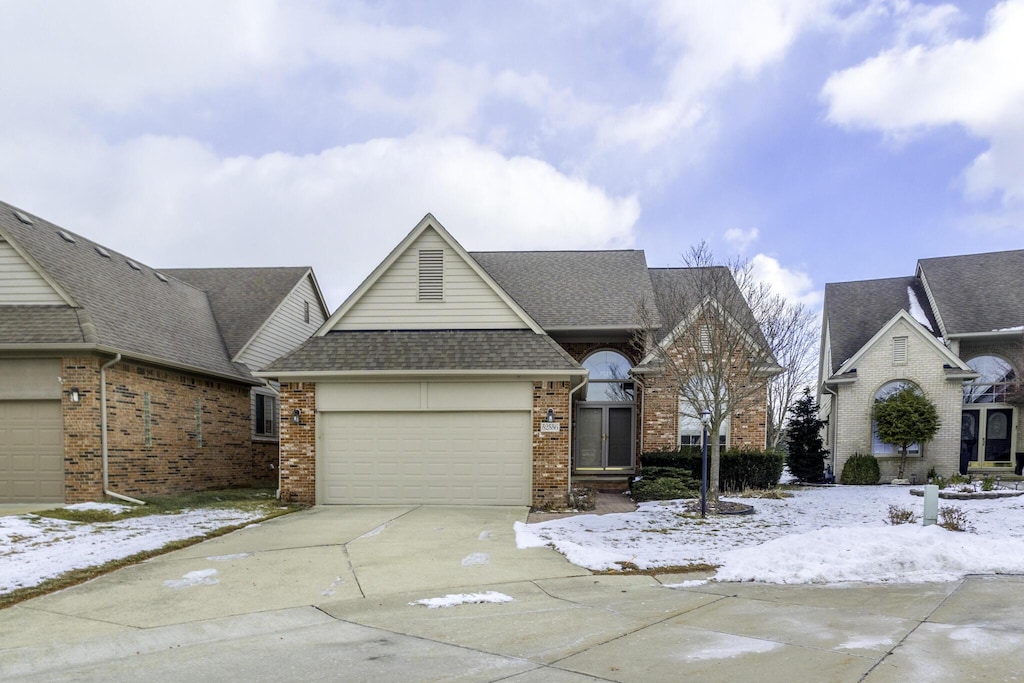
<point>33,548</point>
<point>820,535</point>
<point>455,599</point>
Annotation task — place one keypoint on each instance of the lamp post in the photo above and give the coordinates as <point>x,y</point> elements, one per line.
<point>705,417</point>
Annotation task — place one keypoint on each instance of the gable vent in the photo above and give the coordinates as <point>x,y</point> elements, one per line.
<point>23,218</point>
<point>431,282</point>
<point>899,350</point>
<point>102,252</point>
<point>66,237</point>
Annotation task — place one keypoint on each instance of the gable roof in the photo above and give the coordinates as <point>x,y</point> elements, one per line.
<point>118,308</point>
<point>428,222</point>
<point>243,299</point>
<point>855,311</point>
<point>565,290</point>
<point>425,352</point>
<point>976,293</point>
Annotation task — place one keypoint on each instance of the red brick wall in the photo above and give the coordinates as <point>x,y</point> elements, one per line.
<point>550,450</point>
<point>179,454</point>
<point>298,443</point>
<point>660,414</point>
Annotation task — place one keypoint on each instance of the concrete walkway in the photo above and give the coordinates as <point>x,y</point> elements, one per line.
<point>326,593</point>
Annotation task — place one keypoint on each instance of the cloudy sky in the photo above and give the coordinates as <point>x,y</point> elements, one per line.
<point>826,140</point>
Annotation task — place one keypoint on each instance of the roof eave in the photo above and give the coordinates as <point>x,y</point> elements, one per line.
<point>993,334</point>
<point>312,375</point>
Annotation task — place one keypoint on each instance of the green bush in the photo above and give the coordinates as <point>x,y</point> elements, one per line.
<point>740,469</point>
<point>860,470</point>
<point>663,488</point>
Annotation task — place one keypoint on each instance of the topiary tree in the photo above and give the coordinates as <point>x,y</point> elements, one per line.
<point>904,418</point>
<point>806,457</point>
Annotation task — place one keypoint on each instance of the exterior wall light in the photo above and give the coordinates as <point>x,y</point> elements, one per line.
<point>296,416</point>
<point>551,415</point>
<point>75,396</point>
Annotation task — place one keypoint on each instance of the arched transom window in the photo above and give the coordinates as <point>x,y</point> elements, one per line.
<point>996,378</point>
<point>609,377</point>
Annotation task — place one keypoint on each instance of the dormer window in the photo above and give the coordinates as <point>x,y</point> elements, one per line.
<point>431,275</point>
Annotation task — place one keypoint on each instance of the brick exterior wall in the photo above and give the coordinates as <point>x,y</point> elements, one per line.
<point>850,418</point>
<point>298,443</point>
<point>161,448</point>
<point>550,450</point>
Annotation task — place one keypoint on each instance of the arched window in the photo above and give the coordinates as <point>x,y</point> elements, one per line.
<point>996,378</point>
<point>885,449</point>
<point>609,377</point>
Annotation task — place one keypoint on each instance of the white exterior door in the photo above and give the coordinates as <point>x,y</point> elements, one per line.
<point>442,458</point>
<point>31,452</point>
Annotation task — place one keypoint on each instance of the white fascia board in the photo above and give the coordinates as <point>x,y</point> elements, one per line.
<point>428,222</point>
<point>313,375</point>
<point>61,292</point>
<point>687,321</point>
<point>931,300</point>
<point>852,361</point>
<point>994,334</point>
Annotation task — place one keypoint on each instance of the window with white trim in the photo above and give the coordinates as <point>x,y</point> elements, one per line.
<point>878,448</point>
<point>691,429</point>
<point>265,410</point>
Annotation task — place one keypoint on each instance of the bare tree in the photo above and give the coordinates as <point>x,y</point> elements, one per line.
<point>793,336</point>
<point>713,336</point>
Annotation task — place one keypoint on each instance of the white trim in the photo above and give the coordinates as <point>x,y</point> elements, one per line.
<point>60,291</point>
<point>277,309</point>
<point>428,222</point>
<point>314,375</point>
<point>851,362</point>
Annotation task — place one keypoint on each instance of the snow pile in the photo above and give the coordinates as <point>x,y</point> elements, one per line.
<point>115,508</point>
<point>33,548</point>
<point>455,599</point>
<point>821,535</point>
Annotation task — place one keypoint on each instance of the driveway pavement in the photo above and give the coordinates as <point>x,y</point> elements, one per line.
<point>326,593</point>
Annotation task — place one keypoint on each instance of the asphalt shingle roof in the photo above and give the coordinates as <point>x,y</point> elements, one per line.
<point>130,310</point>
<point>856,311</point>
<point>241,298</point>
<point>562,290</point>
<point>40,325</point>
<point>427,350</point>
<point>977,292</point>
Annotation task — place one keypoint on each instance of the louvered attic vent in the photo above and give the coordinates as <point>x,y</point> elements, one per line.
<point>431,280</point>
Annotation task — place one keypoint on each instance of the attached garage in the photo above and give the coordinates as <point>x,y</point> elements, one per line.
<point>31,452</point>
<point>431,442</point>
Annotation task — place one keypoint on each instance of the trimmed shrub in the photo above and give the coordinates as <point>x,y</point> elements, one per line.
<point>860,470</point>
<point>663,488</point>
<point>740,469</point>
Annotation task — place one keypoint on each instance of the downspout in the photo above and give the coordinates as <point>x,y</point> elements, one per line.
<point>103,432</point>
<point>571,392</point>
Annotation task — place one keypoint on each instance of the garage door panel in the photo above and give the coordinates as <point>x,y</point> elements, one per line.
<point>476,458</point>
<point>31,452</point>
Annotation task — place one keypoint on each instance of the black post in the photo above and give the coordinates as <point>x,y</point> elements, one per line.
<point>704,473</point>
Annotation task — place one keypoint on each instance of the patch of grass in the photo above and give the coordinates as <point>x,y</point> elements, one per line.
<point>246,500</point>
<point>766,494</point>
<point>261,501</point>
<point>629,568</point>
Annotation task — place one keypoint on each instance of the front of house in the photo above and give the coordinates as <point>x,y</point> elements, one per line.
<point>953,331</point>
<point>491,378</point>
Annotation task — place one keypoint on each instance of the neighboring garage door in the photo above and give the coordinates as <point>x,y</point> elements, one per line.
<point>444,458</point>
<point>31,452</point>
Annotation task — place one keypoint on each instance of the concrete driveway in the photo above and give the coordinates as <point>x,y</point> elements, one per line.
<point>326,593</point>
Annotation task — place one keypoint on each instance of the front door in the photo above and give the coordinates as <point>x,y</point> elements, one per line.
<point>604,437</point>
<point>988,433</point>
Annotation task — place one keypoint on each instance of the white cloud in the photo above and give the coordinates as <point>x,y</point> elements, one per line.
<point>795,286</point>
<point>973,83</point>
<point>741,239</point>
<point>113,55</point>
<point>174,202</point>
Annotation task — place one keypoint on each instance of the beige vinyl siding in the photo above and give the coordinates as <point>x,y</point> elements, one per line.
<point>392,303</point>
<point>20,284</point>
<point>286,329</point>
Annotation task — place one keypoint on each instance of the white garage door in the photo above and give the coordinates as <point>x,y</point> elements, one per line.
<point>442,458</point>
<point>31,452</point>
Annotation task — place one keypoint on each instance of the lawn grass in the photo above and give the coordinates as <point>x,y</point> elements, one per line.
<point>260,501</point>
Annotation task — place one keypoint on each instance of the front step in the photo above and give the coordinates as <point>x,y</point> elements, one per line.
<point>604,483</point>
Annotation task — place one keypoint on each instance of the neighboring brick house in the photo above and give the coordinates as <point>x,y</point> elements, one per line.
<point>90,337</point>
<point>953,330</point>
<point>499,378</point>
